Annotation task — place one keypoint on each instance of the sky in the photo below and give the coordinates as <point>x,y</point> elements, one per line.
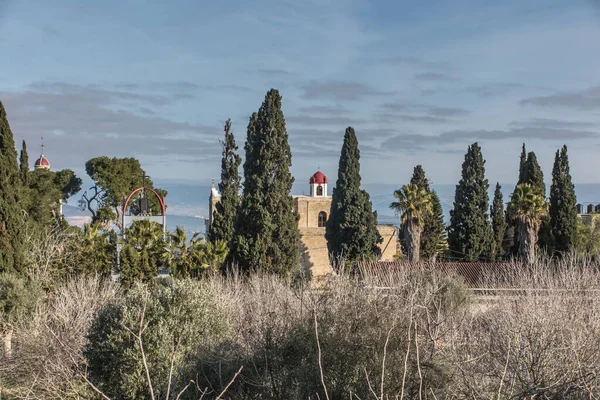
<point>419,81</point>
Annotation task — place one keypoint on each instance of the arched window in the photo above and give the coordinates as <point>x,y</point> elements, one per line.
<point>319,190</point>
<point>322,219</point>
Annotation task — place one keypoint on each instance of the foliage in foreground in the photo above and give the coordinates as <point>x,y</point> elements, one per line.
<point>424,337</point>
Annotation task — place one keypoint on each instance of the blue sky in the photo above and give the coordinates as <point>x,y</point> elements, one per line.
<point>419,81</point>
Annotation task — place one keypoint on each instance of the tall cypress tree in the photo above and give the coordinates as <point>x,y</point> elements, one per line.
<point>223,222</point>
<point>533,175</point>
<point>351,230</point>
<point>419,178</point>
<point>499,223</point>
<point>266,228</point>
<point>433,239</point>
<point>24,164</point>
<point>10,215</point>
<point>522,162</point>
<point>470,234</point>
<point>563,214</point>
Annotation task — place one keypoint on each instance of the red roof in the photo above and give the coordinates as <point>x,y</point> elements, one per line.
<point>42,162</point>
<point>318,178</point>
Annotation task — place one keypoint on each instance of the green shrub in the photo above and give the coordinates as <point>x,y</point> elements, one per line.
<point>172,320</point>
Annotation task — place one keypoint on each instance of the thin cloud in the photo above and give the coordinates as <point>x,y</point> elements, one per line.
<point>416,62</point>
<point>340,91</point>
<point>587,99</point>
<point>273,72</point>
<point>434,77</point>
<point>552,123</point>
<point>488,90</point>
<point>81,121</point>
<point>319,121</point>
<point>324,110</point>
<point>421,142</point>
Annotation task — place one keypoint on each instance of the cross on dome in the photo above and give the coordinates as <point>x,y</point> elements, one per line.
<point>42,162</point>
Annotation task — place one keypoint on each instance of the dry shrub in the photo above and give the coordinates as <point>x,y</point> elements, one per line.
<point>390,335</point>
<point>538,340</point>
<point>49,346</point>
<point>369,339</point>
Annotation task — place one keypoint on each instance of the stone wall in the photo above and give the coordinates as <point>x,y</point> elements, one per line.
<point>314,256</point>
<point>308,208</point>
<point>389,247</point>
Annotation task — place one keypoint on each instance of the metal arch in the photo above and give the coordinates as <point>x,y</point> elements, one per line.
<point>160,200</point>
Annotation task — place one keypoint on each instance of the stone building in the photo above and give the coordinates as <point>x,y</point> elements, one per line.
<point>313,211</point>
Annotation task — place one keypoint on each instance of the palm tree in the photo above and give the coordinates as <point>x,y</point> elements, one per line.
<point>414,203</point>
<point>214,255</point>
<point>181,256</point>
<point>527,208</point>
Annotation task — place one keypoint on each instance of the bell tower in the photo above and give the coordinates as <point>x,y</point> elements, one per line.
<point>318,185</point>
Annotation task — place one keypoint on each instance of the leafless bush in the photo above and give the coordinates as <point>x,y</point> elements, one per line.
<point>49,346</point>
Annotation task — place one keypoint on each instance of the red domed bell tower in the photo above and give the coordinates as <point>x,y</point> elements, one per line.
<point>318,185</point>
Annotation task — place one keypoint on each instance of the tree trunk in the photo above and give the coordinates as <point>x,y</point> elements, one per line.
<point>527,237</point>
<point>413,241</point>
<point>7,341</point>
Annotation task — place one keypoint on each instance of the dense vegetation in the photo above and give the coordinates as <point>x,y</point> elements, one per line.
<point>260,338</point>
<point>236,319</point>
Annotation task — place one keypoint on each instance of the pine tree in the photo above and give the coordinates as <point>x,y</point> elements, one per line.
<point>266,228</point>
<point>223,223</point>
<point>10,215</point>
<point>470,234</point>
<point>24,164</point>
<point>434,240</point>
<point>499,223</point>
<point>563,214</point>
<point>351,230</point>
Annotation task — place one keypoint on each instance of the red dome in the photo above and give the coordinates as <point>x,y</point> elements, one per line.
<point>318,178</point>
<point>42,162</point>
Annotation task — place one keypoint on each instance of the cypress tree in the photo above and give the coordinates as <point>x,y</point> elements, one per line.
<point>470,234</point>
<point>522,162</point>
<point>266,228</point>
<point>499,223</point>
<point>563,214</point>
<point>351,229</point>
<point>10,215</point>
<point>419,179</point>
<point>223,223</point>
<point>24,163</point>
<point>433,239</point>
<point>533,175</point>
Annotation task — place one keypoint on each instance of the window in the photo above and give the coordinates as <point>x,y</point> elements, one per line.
<point>322,219</point>
<point>319,190</point>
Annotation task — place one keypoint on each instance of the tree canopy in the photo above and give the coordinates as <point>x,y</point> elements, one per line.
<point>11,212</point>
<point>470,234</point>
<point>223,220</point>
<point>115,178</point>
<point>266,228</point>
<point>351,229</point>
<point>563,213</point>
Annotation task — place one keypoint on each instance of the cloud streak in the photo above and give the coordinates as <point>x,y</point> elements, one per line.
<point>340,91</point>
<point>587,99</point>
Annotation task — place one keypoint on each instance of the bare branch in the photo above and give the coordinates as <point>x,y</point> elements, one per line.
<point>230,383</point>
<point>320,363</point>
